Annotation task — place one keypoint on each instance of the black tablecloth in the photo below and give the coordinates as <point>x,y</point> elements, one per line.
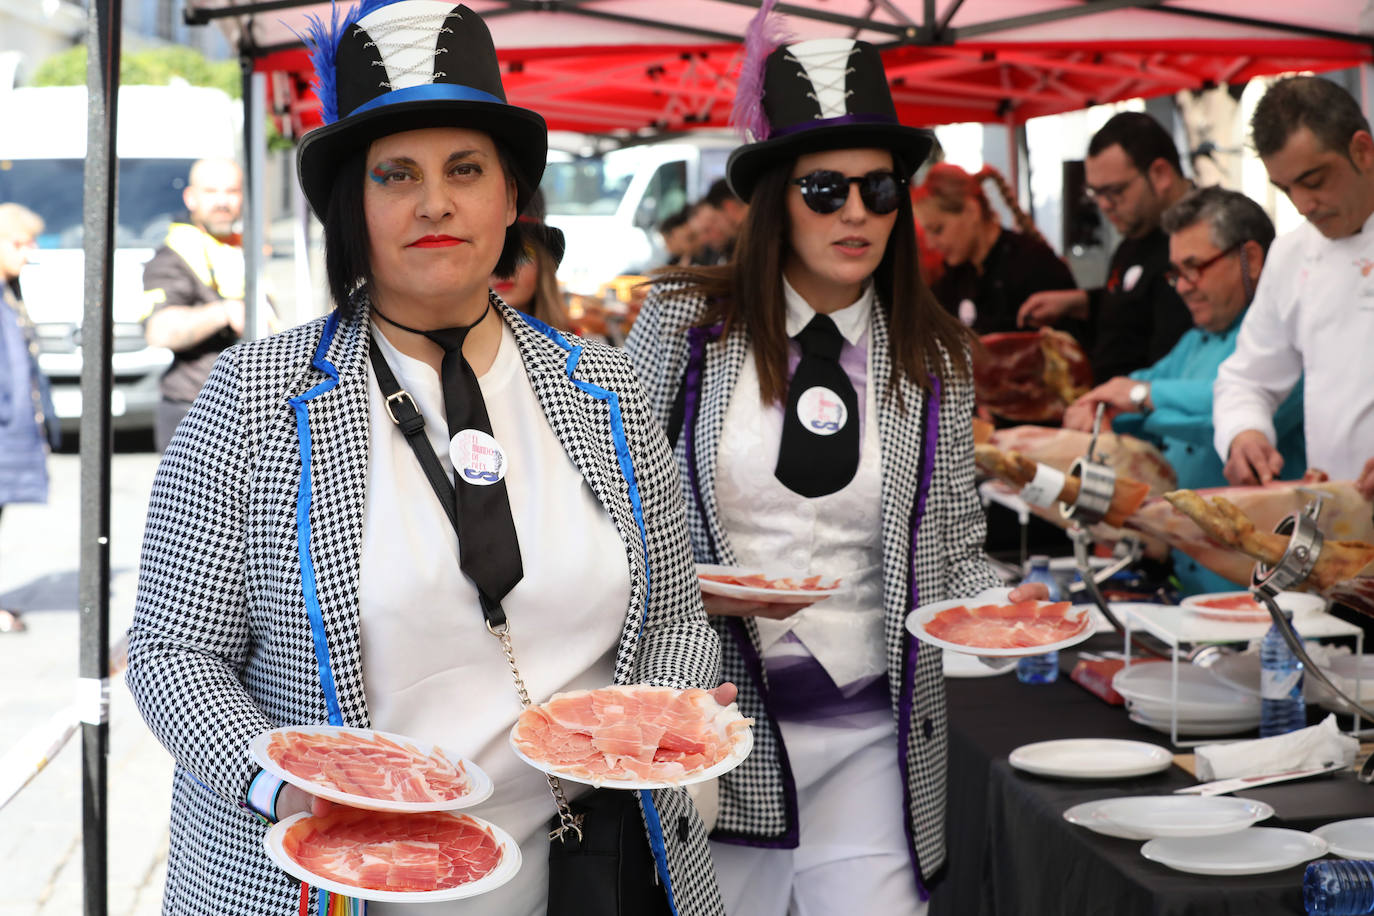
<point>1011,853</point>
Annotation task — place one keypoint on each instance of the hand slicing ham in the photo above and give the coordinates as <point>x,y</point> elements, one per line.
<point>1025,625</point>
<point>1343,568</point>
<point>389,851</point>
<point>635,733</point>
<point>1018,470</point>
<point>368,765</point>
<point>1030,375</point>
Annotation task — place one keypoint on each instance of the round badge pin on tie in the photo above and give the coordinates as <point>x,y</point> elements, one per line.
<point>821,411</point>
<point>478,459</point>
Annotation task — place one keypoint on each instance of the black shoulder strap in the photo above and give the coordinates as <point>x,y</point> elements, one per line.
<point>678,415</point>
<point>401,407</point>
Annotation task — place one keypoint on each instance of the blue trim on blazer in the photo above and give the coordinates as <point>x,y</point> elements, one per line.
<point>303,495</point>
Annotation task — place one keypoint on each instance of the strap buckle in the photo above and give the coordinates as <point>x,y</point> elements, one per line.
<point>398,397</point>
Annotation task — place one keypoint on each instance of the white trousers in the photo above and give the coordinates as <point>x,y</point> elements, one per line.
<point>853,853</point>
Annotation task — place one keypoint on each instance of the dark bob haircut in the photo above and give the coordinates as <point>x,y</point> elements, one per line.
<point>347,262</point>
<point>1141,137</point>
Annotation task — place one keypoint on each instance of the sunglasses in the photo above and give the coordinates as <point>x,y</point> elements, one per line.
<point>826,191</point>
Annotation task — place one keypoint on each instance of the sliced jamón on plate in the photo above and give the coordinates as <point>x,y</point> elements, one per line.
<point>633,736</point>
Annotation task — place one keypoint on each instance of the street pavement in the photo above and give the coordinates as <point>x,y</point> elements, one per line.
<point>41,869</point>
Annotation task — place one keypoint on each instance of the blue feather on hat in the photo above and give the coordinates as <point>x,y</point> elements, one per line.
<point>323,42</point>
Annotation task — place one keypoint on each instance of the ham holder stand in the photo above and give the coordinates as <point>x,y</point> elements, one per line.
<point>1098,483</point>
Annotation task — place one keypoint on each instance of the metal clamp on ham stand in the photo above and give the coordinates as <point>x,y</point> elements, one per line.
<point>1097,483</point>
<point>1305,542</point>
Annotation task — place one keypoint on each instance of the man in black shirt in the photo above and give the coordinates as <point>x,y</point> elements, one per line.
<point>1133,174</point>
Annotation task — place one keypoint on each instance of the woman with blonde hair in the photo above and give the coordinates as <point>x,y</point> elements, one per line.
<point>989,271</point>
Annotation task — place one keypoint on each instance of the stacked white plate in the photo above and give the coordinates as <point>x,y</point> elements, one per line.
<point>1204,705</point>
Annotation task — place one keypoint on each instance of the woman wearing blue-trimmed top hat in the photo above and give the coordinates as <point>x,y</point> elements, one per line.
<point>845,451</point>
<point>302,566</point>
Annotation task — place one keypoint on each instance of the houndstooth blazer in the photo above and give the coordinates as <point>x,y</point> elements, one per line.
<point>927,494</point>
<point>245,539</point>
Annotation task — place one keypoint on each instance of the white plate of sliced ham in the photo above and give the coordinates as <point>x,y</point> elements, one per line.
<point>633,736</point>
<point>764,586</point>
<point>992,626</point>
<point>395,857</point>
<point>363,768</point>
<point>1241,607</point>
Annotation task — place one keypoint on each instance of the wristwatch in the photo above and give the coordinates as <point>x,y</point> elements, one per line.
<point>1139,395</point>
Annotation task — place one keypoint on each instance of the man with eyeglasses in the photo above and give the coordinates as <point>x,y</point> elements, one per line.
<point>1313,316</point>
<point>1218,240</point>
<point>1133,174</point>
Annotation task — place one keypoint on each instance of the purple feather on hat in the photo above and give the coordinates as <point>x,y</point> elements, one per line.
<point>323,42</point>
<point>766,33</point>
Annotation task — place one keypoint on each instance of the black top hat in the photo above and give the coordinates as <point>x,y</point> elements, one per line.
<point>396,65</point>
<point>824,94</point>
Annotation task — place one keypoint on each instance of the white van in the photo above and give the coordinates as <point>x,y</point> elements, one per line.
<point>162,131</point>
<point>609,206</point>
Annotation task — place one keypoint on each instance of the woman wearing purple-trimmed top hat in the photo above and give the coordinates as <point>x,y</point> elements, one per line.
<point>371,519</point>
<point>819,401</point>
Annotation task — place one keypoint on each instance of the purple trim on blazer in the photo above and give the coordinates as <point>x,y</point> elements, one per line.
<point>929,442</point>
<point>792,837</point>
<point>697,338</point>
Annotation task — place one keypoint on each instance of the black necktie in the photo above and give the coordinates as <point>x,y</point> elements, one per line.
<point>819,451</point>
<point>488,550</point>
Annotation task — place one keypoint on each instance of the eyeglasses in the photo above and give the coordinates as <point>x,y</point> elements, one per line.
<point>1193,272</point>
<point>825,190</point>
<point>1112,193</point>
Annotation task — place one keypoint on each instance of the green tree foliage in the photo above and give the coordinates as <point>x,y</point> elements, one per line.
<point>153,67</point>
<point>156,67</point>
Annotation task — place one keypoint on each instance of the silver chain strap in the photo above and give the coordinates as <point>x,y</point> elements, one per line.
<point>567,821</point>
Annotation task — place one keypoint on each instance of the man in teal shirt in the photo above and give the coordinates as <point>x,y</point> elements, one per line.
<point>1218,240</point>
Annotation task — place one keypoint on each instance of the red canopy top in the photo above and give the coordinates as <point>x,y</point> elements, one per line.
<point>603,65</point>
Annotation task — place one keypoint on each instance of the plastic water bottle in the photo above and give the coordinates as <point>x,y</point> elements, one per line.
<point>1338,887</point>
<point>1282,708</point>
<point>1040,669</point>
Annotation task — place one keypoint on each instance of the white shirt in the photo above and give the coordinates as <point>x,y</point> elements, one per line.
<point>1313,315</point>
<point>839,535</point>
<point>430,668</point>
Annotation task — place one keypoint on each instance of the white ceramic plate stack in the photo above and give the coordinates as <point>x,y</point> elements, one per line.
<point>1144,817</point>
<point>1205,705</point>
<point>1182,831</point>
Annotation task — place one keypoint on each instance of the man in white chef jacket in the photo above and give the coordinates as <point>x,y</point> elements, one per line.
<point>1313,313</point>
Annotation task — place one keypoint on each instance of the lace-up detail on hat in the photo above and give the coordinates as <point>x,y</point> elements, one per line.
<point>827,71</point>
<point>407,48</point>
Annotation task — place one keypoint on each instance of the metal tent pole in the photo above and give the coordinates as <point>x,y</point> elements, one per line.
<point>255,155</point>
<point>98,228</point>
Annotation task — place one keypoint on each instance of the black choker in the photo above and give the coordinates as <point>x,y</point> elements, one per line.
<point>376,311</point>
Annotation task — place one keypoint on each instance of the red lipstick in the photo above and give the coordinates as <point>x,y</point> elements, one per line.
<point>435,241</point>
